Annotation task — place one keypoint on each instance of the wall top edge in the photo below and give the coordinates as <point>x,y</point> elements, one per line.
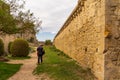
<point>70,17</point>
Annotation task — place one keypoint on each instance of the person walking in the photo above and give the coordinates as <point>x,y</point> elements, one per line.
<point>40,53</point>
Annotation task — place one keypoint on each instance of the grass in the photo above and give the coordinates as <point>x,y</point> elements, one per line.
<point>7,70</point>
<point>18,58</point>
<point>60,67</point>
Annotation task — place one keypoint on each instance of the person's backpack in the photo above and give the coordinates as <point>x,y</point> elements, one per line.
<point>40,51</point>
<point>43,52</point>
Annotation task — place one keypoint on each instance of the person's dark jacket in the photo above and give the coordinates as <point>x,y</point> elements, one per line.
<point>40,51</point>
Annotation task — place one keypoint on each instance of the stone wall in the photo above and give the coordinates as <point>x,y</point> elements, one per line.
<point>6,39</point>
<point>112,41</point>
<point>11,37</point>
<point>86,37</point>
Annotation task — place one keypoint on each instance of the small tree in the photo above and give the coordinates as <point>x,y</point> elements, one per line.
<point>1,47</point>
<point>48,42</point>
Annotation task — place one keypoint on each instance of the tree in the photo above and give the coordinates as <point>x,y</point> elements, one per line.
<point>48,42</point>
<point>26,18</point>
<point>7,23</point>
<point>28,22</point>
<point>15,5</point>
<point>16,20</point>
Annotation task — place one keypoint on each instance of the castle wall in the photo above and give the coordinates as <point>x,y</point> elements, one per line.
<point>82,36</point>
<point>112,40</point>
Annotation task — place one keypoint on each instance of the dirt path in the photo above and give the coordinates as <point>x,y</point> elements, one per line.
<point>25,73</point>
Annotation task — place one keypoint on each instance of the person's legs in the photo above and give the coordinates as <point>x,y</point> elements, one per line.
<point>41,59</point>
<point>38,59</point>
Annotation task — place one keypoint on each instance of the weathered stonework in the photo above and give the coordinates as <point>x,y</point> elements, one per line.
<point>6,38</point>
<point>91,36</point>
<point>11,37</point>
<point>112,43</point>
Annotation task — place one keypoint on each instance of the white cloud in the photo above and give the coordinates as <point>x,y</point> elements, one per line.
<point>53,13</point>
<point>53,32</point>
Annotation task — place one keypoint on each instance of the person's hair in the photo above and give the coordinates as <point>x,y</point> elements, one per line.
<point>41,44</point>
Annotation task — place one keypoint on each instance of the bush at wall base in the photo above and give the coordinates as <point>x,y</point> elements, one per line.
<point>19,48</point>
<point>9,45</point>
<point>1,47</point>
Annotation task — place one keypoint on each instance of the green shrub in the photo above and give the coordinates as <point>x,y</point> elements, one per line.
<point>19,48</point>
<point>48,42</point>
<point>9,45</point>
<point>1,47</point>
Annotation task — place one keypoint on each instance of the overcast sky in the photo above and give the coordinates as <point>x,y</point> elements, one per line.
<point>53,14</point>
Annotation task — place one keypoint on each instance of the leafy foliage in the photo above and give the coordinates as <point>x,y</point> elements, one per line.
<point>7,23</point>
<point>19,48</point>
<point>48,42</point>
<point>27,19</point>
<point>9,45</point>
<point>28,22</point>
<point>1,47</point>
<point>14,20</point>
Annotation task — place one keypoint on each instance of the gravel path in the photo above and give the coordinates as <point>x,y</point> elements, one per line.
<point>25,72</point>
